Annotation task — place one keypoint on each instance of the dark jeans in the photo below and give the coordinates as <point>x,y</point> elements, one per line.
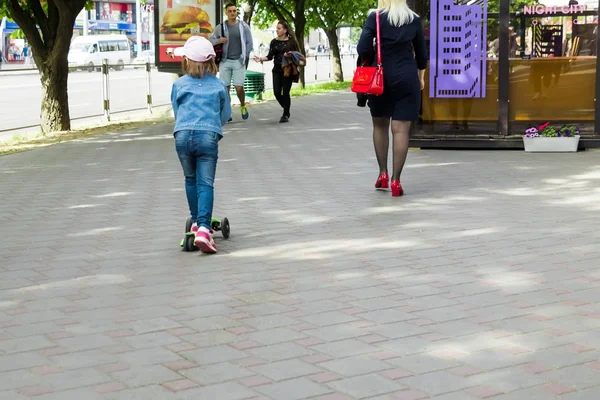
<point>281,89</point>
<point>198,152</point>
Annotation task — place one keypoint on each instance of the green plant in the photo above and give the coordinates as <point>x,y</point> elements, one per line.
<point>549,131</point>
<point>568,131</point>
<point>545,130</point>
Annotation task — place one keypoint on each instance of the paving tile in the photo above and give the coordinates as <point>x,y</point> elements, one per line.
<point>216,373</point>
<point>152,339</point>
<point>150,392</point>
<point>75,394</point>
<point>436,383</point>
<point>363,386</point>
<point>147,375</point>
<point>328,318</point>
<point>226,391</point>
<point>274,336</point>
<point>213,355</point>
<point>325,377</point>
<point>148,357</point>
<point>253,381</point>
<point>293,389</point>
<point>180,365</point>
<point>20,345</point>
<point>11,395</point>
<point>355,365</point>
<point>280,352</point>
<point>23,360</point>
<point>110,387</point>
<point>345,348</point>
<point>423,363</point>
<point>181,384</point>
<point>288,369</point>
<point>507,380</point>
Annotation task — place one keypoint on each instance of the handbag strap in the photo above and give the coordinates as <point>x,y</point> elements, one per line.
<point>378,39</point>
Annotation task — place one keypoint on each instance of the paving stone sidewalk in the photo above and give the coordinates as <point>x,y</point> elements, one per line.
<point>482,282</point>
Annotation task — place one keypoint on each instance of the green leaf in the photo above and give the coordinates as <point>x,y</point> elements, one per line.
<point>332,14</point>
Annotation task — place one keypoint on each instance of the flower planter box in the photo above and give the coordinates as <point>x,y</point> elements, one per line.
<point>542,144</point>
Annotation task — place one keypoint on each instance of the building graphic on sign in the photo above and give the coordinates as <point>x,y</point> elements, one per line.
<point>458,49</point>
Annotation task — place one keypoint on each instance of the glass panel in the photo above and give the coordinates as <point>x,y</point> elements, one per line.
<point>461,85</point>
<point>553,78</point>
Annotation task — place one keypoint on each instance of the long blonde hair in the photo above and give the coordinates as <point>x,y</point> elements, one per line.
<point>398,12</point>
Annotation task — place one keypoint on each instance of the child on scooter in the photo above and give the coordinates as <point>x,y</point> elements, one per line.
<point>201,107</point>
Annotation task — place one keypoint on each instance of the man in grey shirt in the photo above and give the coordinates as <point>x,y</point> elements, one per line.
<point>237,45</point>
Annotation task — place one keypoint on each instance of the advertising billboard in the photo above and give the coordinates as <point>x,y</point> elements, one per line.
<point>175,21</point>
<point>122,12</point>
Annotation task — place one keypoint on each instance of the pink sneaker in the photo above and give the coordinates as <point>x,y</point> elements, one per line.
<point>204,241</point>
<point>195,229</point>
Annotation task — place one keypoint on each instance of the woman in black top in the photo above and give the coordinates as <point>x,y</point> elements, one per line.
<point>404,59</point>
<point>280,47</point>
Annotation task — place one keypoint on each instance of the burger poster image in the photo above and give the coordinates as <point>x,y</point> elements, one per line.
<point>178,20</point>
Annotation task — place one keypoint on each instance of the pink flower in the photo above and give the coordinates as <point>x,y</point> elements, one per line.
<point>543,126</point>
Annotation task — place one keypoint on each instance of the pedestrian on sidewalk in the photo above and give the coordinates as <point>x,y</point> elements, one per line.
<point>201,106</point>
<point>282,46</point>
<point>404,60</point>
<point>237,46</point>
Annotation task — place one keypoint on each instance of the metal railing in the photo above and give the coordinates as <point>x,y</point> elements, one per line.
<point>121,88</point>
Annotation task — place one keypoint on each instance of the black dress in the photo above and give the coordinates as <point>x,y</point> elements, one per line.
<point>401,99</point>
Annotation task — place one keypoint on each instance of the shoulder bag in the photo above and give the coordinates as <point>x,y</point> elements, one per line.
<point>367,79</point>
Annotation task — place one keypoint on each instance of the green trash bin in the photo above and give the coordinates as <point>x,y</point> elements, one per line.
<point>254,85</point>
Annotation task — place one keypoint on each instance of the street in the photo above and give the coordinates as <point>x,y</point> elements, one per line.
<point>482,282</point>
<point>20,95</point>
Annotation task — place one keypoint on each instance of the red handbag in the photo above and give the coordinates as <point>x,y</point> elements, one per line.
<point>369,80</point>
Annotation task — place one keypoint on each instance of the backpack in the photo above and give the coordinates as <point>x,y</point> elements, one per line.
<point>219,48</point>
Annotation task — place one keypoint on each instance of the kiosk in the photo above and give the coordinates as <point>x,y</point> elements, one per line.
<point>497,68</point>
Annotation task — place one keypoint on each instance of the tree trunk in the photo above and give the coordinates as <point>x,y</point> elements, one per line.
<point>299,27</point>
<point>49,33</point>
<point>54,75</point>
<point>300,39</point>
<point>248,16</point>
<point>332,36</point>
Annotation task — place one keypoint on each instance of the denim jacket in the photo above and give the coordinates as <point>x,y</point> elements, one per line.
<point>200,104</point>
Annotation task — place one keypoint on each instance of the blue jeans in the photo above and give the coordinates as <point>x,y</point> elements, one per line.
<point>198,152</point>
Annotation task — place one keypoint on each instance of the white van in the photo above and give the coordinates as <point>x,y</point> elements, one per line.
<point>87,52</point>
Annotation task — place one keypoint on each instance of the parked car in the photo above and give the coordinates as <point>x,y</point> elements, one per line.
<point>146,56</point>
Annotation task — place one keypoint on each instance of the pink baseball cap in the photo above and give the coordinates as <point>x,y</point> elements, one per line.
<point>196,48</point>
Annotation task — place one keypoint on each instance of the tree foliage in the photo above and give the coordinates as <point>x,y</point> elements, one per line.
<point>48,27</point>
<point>329,15</point>
<point>291,11</point>
<point>304,15</point>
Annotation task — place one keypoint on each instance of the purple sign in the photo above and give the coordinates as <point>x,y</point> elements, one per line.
<point>458,49</point>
